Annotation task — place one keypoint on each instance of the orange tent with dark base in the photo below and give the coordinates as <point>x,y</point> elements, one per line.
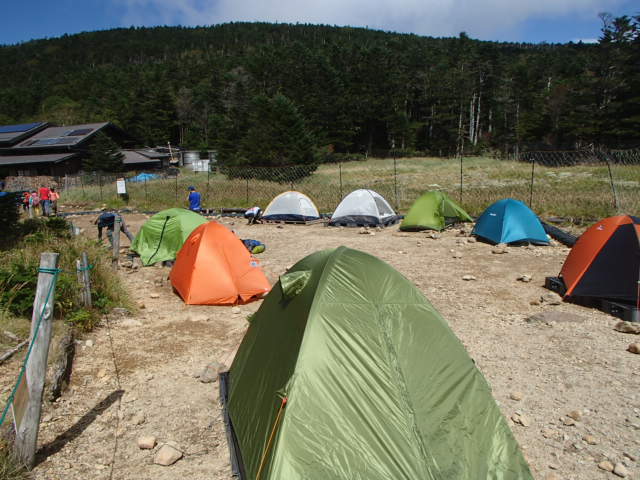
<point>605,261</point>
<point>213,267</point>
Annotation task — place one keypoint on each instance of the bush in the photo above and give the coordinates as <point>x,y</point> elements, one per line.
<point>19,274</point>
<point>9,218</point>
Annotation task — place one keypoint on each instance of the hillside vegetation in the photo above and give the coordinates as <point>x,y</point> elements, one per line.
<point>346,90</point>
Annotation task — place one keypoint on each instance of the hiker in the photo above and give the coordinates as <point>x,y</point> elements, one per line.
<point>43,194</point>
<point>25,200</point>
<point>194,199</point>
<point>53,199</point>
<point>107,220</point>
<point>253,215</point>
<point>34,201</point>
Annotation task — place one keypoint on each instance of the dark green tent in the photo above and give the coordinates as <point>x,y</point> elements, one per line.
<point>347,372</point>
<point>434,210</point>
<point>162,236</point>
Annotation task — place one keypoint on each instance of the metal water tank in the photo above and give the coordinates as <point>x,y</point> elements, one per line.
<point>190,157</point>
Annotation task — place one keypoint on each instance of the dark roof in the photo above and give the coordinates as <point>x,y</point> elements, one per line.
<point>9,160</point>
<point>55,137</point>
<point>137,156</point>
<point>10,134</point>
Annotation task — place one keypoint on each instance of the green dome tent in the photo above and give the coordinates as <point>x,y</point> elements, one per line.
<point>162,236</point>
<point>433,210</point>
<point>347,372</point>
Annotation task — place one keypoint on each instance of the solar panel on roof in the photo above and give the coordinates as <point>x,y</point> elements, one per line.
<point>24,127</point>
<point>66,140</point>
<point>78,132</point>
<point>45,141</point>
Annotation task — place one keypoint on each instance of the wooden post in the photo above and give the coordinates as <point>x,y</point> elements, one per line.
<point>36,368</point>
<point>116,240</point>
<point>84,280</point>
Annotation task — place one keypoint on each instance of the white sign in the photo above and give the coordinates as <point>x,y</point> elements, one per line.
<point>120,185</point>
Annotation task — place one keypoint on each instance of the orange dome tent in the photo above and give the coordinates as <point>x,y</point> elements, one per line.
<point>213,267</point>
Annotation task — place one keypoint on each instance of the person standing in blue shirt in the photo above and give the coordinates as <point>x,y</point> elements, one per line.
<point>194,200</point>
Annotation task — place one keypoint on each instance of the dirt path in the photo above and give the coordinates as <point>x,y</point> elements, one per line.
<point>576,363</point>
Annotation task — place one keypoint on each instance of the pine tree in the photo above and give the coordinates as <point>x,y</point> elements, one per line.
<point>104,155</point>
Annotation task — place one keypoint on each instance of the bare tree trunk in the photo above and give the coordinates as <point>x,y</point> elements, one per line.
<point>477,128</point>
<point>472,117</point>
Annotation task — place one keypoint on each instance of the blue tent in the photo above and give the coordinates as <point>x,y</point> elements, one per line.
<point>510,221</point>
<point>143,177</point>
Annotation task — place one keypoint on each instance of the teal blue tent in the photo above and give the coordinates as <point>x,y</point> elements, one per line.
<point>510,221</point>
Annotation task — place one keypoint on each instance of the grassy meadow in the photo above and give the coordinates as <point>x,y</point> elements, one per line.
<point>582,191</point>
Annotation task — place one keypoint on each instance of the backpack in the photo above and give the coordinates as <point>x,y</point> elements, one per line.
<point>254,246</point>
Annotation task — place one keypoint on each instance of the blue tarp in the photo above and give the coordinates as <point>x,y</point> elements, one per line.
<point>510,221</point>
<point>143,177</point>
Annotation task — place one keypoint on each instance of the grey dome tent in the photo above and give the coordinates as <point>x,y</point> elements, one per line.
<point>291,206</point>
<point>363,208</point>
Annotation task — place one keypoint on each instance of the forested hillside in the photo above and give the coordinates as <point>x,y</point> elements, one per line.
<point>343,89</point>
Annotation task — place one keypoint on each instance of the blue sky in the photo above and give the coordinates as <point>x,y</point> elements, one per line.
<point>505,20</point>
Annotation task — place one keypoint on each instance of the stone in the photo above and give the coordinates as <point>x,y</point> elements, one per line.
<point>167,455</point>
<point>468,278</point>
<point>551,298</point>
<point>517,396</point>
<point>123,312</point>
<point>364,231</point>
<point>534,302</point>
<point>154,295</point>
<point>138,418</point>
<point>457,255</point>
<point>568,422</point>
<point>89,343</point>
<point>575,414</point>
<point>277,226</point>
<point>634,348</point>
<point>548,433</point>
<point>210,373</point>
<point>472,240</point>
<point>590,439</point>
<point>524,278</point>
<point>627,327</point>
<point>631,457</point>
<point>620,470</point>
<point>554,316</point>
<point>500,249</point>
<point>433,235</point>
<point>525,421</point>
<point>235,310</point>
<point>131,322</point>
<point>461,241</point>
<point>146,442</point>
<point>606,465</point>
<point>141,306</point>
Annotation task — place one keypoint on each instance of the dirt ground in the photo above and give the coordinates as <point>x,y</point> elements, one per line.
<point>136,374</point>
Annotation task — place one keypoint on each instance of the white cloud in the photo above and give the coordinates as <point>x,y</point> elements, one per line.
<point>483,19</point>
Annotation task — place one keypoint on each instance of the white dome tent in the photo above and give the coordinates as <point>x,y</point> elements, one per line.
<point>363,208</point>
<point>291,207</point>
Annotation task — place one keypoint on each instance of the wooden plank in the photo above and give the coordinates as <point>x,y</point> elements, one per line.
<point>36,367</point>
<point>116,241</point>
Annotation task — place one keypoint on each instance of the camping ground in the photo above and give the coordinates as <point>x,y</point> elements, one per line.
<point>566,383</point>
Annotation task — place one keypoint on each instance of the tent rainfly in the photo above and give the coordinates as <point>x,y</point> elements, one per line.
<point>162,236</point>
<point>510,221</point>
<point>347,372</point>
<point>363,208</point>
<point>433,210</point>
<point>605,261</point>
<point>213,267</point>
<point>291,206</point>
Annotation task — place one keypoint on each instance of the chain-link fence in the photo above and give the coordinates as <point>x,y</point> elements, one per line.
<point>575,184</point>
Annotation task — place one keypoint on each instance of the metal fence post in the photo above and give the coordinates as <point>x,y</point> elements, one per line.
<point>533,166</point>
<point>82,268</point>
<point>461,178</point>
<point>613,187</point>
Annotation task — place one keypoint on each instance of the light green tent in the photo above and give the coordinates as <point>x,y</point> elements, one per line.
<point>433,210</point>
<point>162,236</point>
<point>347,372</point>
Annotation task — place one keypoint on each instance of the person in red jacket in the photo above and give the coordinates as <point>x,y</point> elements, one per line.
<point>44,194</point>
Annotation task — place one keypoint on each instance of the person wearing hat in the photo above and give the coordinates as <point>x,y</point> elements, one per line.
<point>194,199</point>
